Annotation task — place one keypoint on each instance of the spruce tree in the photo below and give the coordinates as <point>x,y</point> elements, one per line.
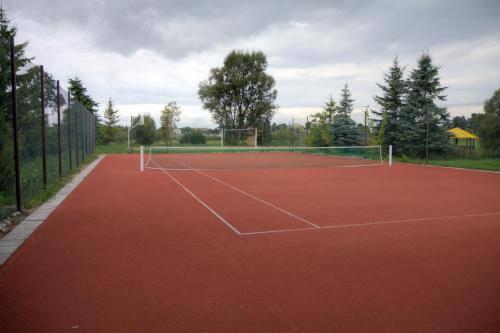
<point>390,103</point>
<point>109,130</point>
<point>345,132</point>
<point>421,119</point>
<point>79,92</point>
<point>7,30</point>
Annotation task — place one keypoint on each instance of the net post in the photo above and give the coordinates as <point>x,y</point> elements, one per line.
<point>255,137</point>
<point>390,155</point>
<point>222,137</point>
<point>142,159</point>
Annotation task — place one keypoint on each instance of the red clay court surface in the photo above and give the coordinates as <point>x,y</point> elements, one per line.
<point>331,249</point>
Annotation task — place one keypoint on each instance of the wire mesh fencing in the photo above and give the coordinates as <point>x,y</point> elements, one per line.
<point>55,133</point>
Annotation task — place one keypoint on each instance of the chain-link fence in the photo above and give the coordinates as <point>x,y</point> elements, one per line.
<point>55,134</point>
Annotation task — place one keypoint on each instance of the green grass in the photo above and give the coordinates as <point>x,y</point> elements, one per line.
<point>491,164</point>
<point>33,192</point>
<point>115,148</point>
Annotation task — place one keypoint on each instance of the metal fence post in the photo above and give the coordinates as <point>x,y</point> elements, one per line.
<point>14,123</point>
<point>69,132</point>
<point>42,106</point>
<point>59,128</point>
<point>77,153</point>
<point>83,132</point>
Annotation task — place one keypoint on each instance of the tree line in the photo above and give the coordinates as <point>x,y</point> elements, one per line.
<point>240,94</point>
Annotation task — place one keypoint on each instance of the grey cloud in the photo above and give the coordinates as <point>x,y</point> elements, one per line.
<point>178,28</point>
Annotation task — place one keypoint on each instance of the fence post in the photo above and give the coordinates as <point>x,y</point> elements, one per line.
<point>14,123</point>
<point>77,153</point>
<point>82,129</point>
<point>69,132</point>
<point>390,155</point>
<point>59,128</point>
<point>141,160</point>
<point>42,106</point>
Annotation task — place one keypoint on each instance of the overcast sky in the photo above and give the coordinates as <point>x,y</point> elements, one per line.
<point>145,53</point>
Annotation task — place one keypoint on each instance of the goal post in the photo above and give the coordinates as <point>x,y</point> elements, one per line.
<point>239,137</point>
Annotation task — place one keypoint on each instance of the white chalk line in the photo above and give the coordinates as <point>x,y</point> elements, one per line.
<point>250,195</point>
<point>314,226</point>
<point>424,219</point>
<point>223,220</point>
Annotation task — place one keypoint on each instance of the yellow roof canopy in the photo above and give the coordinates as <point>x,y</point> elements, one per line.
<point>459,133</point>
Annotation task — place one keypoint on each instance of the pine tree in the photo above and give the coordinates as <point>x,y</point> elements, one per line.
<point>390,103</point>
<point>421,119</point>
<point>6,146</point>
<point>79,92</point>
<point>109,129</point>
<point>345,132</point>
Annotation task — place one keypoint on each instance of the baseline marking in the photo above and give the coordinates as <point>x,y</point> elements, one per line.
<point>250,195</point>
<point>354,225</point>
<point>223,220</point>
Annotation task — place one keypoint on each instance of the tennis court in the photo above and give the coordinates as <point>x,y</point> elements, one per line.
<point>263,241</point>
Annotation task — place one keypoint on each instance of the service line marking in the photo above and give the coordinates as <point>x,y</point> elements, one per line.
<point>249,195</point>
<point>354,225</point>
<point>223,220</point>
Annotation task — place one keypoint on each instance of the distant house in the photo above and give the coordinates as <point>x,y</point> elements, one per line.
<point>177,132</point>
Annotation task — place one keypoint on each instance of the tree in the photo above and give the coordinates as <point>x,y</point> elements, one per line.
<point>79,92</point>
<point>489,126</point>
<point>6,147</point>
<point>474,121</point>
<point>391,102</point>
<point>460,121</point>
<point>169,119</point>
<point>320,128</point>
<point>109,129</point>
<point>193,136</point>
<point>422,122</point>
<point>240,93</point>
<point>345,132</point>
<point>145,134</point>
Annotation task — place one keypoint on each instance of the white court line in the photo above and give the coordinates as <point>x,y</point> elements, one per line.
<point>250,195</point>
<point>448,167</point>
<point>223,220</point>
<point>424,219</point>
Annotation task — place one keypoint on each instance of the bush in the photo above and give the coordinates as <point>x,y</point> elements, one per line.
<point>193,137</point>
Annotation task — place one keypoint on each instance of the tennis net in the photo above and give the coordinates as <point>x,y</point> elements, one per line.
<point>206,158</point>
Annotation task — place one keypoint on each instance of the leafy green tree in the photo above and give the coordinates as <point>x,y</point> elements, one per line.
<point>108,130</point>
<point>390,102</point>
<point>345,132</point>
<point>474,121</point>
<point>193,136</point>
<point>489,126</point>
<point>145,134</point>
<point>421,119</point>
<point>281,134</point>
<point>320,127</point>
<point>320,130</point>
<point>460,121</point>
<point>240,93</point>
<point>169,118</point>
